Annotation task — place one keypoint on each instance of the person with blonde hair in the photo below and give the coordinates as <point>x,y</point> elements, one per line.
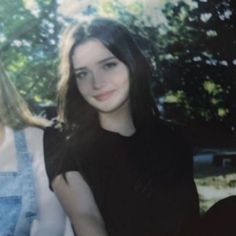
<point>27,207</point>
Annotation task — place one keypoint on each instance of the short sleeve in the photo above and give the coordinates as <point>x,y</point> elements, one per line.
<point>174,143</point>
<point>183,188</point>
<point>184,148</point>
<point>58,159</point>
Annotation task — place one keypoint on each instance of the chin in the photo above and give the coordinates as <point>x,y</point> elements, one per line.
<point>112,107</point>
<point>106,109</point>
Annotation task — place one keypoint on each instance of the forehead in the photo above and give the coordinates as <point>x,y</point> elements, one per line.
<point>89,52</point>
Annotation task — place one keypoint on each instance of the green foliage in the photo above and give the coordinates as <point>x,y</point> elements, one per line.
<point>190,56</point>
<point>29,51</point>
<point>190,44</point>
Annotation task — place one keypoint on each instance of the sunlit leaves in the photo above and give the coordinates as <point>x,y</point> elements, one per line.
<point>195,36</point>
<point>28,37</point>
<point>175,97</point>
<point>222,112</point>
<point>32,6</point>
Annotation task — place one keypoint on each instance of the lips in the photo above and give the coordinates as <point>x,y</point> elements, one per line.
<point>104,96</point>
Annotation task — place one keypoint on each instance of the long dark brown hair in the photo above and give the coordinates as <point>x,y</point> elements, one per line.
<point>73,109</point>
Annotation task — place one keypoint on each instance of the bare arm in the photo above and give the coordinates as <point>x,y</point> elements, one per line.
<point>50,218</point>
<point>78,202</point>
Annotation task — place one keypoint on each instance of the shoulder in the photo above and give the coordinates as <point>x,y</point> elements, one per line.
<point>54,136</point>
<point>33,132</point>
<point>34,137</point>
<point>174,141</point>
<point>55,141</point>
<point>56,129</point>
<point>172,132</point>
<point>177,151</point>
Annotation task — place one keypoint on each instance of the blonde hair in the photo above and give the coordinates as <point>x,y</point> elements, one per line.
<point>14,111</point>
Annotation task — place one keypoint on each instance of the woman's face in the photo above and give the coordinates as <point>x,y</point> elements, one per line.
<point>102,79</point>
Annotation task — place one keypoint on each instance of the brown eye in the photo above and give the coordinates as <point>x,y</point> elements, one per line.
<point>81,75</point>
<point>109,65</point>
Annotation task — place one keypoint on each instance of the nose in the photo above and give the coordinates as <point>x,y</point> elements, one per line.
<point>97,81</point>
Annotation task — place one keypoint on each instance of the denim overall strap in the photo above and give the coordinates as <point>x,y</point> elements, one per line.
<point>10,201</point>
<point>25,170</point>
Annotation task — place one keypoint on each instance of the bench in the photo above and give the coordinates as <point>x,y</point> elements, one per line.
<point>221,156</point>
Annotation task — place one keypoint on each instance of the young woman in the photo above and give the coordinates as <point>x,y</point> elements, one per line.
<point>115,166</point>
<point>27,206</point>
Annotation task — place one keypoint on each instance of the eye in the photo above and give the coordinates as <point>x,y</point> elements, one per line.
<point>109,65</point>
<point>81,74</point>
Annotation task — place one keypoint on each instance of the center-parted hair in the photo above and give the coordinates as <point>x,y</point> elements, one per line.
<point>73,109</point>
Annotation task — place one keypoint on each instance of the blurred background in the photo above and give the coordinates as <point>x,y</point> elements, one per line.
<point>191,45</point>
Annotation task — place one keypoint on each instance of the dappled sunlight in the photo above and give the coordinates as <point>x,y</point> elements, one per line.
<point>32,6</point>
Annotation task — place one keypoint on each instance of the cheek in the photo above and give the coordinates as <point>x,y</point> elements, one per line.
<point>122,79</point>
<point>124,82</point>
<point>83,87</point>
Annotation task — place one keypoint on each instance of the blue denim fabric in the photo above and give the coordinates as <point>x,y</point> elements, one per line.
<point>17,193</point>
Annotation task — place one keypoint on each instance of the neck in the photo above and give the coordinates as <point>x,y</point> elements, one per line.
<point>119,121</point>
<point>1,133</point>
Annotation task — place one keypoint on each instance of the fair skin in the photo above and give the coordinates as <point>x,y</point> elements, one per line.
<point>1,133</point>
<point>50,218</point>
<point>78,202</point>
<point>103,81</point>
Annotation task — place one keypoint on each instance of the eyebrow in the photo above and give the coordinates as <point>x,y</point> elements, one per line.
<point>99,62</point>
<point>106,59</point>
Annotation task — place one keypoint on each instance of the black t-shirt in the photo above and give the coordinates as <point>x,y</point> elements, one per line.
<point>143,184</point>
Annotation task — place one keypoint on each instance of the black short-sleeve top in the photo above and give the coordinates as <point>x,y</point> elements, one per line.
<point>143,184</point>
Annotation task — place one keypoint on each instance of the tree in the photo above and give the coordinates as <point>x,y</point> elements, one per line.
<point>190,43</point>
<point>28,46</point>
